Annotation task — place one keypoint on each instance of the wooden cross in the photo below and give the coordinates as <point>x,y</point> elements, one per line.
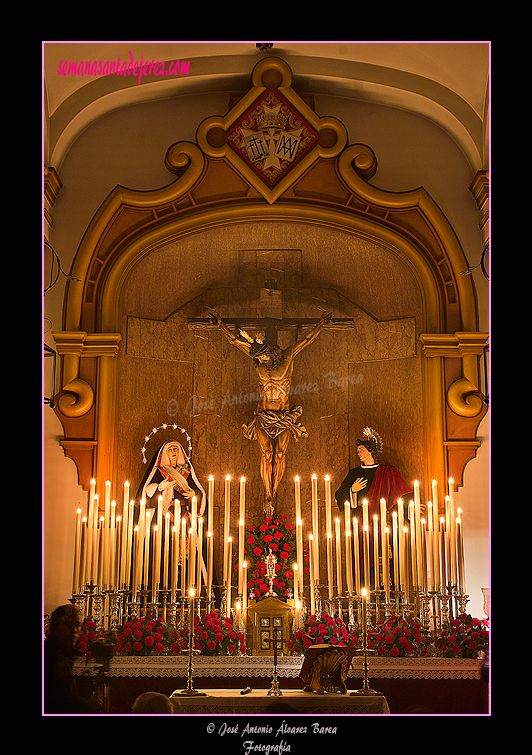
<point>270,326</point>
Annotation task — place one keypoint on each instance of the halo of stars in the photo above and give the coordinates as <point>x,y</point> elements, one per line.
<point>164,426</point>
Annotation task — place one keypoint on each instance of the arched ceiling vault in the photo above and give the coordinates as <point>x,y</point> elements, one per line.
<point>445,82</point>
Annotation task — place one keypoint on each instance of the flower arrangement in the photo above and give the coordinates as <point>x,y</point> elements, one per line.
<point>213,635</point>
<point>321,630</point>
<point>144,636</point>
<point>462,637</point>
<point>397,637</point>
<point>88,635</point>
<point>279,536</point>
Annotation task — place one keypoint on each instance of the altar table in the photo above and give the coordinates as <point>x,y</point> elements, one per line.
<point>409,685</point>
<point>230,702</point>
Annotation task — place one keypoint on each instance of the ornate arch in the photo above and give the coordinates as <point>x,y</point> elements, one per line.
<point>326,183</point>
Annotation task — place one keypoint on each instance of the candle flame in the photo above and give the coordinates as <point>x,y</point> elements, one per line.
<point>296,478</point>
<point>78,511</point>
<point>327,477</point>
<point>295,567</point>
<point>228,477</point>
<point>211,477</point>
<point>364,592</point>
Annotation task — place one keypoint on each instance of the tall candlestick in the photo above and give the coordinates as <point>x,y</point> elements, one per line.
<point>156,564</point>
<point>365,545</point>
<point>228,576</point>
<point>227,511</point>
<point>460,552</point>
<point>443,570</point>
<point>430,545</point>
<point>400,529</point>
<point>413,558</point>
<point>147,539</point>
<point>395,540</point>
<point>315,524</point>
<point>299,551</point>
<point>199,548</point>
<point>356,550</point>
<point>311,573</point>
<point>329,564</point>
<point>107,514</point>
<point>90,531</point>
<point>95,543</point>
<point>339,586</point>
<point>240,555</point>
<point>112,543</point>
<point>210,557</point>
<point>348,547</point>
<point>166,551</point>
<point>386,564</point>
<point>77,555</point>
<point>183,557</point>
<point>245,590</point>
<point>376,552</point>
<point>174,562</point>
<point>135,562</point>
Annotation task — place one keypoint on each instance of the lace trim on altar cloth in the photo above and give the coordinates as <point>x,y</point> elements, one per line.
<point>287,666</point>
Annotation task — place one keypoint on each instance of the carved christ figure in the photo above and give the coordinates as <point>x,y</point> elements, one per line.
<point>274,421</point>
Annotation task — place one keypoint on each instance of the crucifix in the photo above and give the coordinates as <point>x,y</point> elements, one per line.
<point>277,643</point>
<point>274,421</point>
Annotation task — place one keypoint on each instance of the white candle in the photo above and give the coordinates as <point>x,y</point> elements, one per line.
<point>210,520</point>
<point>242,511</point>
<point>295,569</point>
<point>210,556</point>
<point>328,510</point>
<point>365,513</point>
<point>194,538</point>
<point>400,529</point>
<point>339,585</point>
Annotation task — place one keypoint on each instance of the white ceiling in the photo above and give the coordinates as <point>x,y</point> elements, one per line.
<point>447,82</point>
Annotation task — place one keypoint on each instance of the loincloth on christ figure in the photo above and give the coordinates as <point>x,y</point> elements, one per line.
<point>273,423</point>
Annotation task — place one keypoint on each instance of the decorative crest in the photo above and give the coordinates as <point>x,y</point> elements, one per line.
<point>165,426</point>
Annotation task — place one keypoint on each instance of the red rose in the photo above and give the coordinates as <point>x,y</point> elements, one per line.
<point>204,635</point>
<point>211,644</point>
<point>389,639</point>
<point>257,551</point>
<point>283,554</point>
<point>250,540</point>
<point>278,535</point>
<point>268,538</point>
<point>148,641</point>
<point>137,646</point>
<point>394,652</point>
<point>263,527</point>
<point>159,647</point>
